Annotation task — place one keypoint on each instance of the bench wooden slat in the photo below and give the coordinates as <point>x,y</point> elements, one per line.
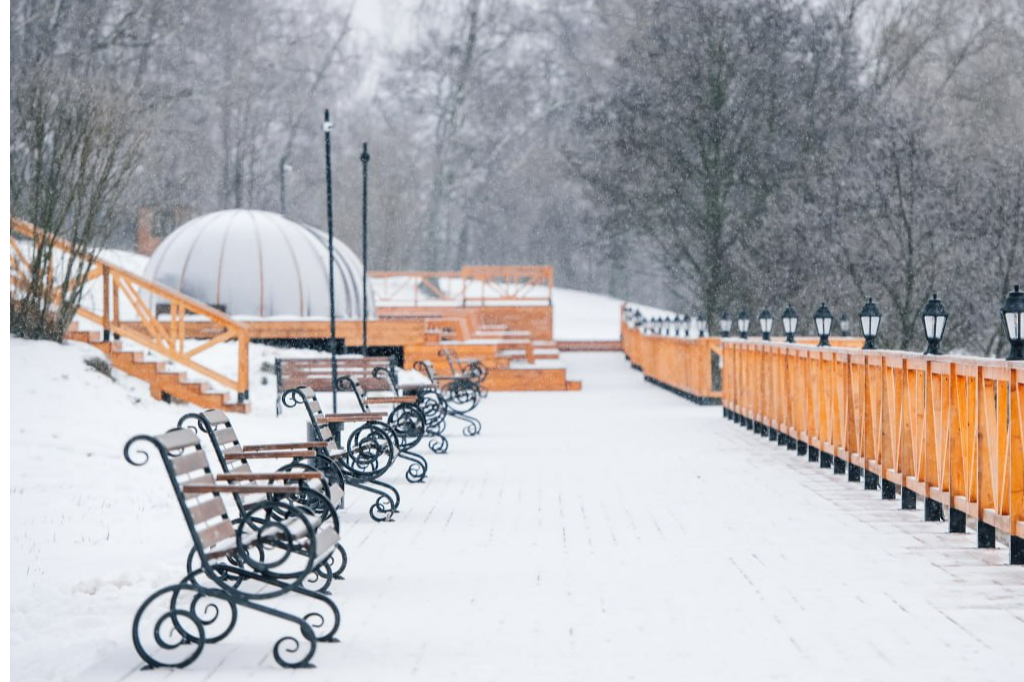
<point>381,400</point>
<point>188,463</point>
<point>354,417</point>
<point>268,454</point>
<point>216,417</point>
<point>238,489</point>
<point>308,445</point>
<point>210,536</point>
<point>226,435</point>
<point>270,476</point>
<point>208,509</point>
<point>177,439</point>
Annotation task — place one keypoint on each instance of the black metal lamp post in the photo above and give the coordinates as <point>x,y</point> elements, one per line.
<point>365,158</point>
<point>823,322</point>
<point>766,322</point>
<point>844,325</point>
<point>1013,320</point>
<point>789,320</point>
<point>330,251</point>
<point>725,325</point>
<point>870,318</point>
<point>702,326</point>
<point>677,326</point>
<point>684,326</point>
<point>743,323</point>
<point>934,317</point>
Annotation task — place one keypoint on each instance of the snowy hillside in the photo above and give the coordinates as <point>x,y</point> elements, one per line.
<point>582,316</point>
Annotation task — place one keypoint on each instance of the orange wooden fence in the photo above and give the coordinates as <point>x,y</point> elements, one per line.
<point>948,429</point>
<point>688,366</point>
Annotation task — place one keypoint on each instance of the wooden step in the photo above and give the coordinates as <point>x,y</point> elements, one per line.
<point>163,380</point>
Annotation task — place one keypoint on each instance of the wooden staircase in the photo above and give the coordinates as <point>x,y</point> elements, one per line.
<point>121,306</point>
<point>165,383</point>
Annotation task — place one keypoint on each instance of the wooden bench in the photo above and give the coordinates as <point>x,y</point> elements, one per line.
<point>403,416</point>
<point>367,454</point>
<point>316,374</point>
<point>242,556</point>
<point>461,395</point>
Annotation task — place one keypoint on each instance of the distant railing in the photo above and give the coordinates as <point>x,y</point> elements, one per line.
<point>688,365</point>
<point>124,305</point>
<point>471,286</point>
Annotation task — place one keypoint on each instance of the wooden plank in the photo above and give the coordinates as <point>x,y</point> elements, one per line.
<point>210,536</point>
<point>207,509</point>
<point>190,462</point>
<point>176,439</point>
<point>286,446</point>
<point>270,476</point>
<point>238,489</point>
<point>353,417</point>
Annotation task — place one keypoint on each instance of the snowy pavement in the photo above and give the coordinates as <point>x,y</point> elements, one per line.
<point>611,534</point>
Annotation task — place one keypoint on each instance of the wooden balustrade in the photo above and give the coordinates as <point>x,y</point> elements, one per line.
<point>688,366</point>
<point>123,304</point>
<point>947,429</point>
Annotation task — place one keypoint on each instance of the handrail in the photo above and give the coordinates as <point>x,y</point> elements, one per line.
<point>126,309</point>
<point>478,285</point>
<point>947,428</point>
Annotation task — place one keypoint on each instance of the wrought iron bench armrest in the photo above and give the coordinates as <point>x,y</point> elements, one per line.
<point>268,454</point>
<point>242,489</point>
<point>385,400</point>
<point>308,445</point>
<point>272,476</point>
<point>351,417</point>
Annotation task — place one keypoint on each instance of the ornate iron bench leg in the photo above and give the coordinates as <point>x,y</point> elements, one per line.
<point>417,471</point>
<point>387,502</point>
<point>473,426</point>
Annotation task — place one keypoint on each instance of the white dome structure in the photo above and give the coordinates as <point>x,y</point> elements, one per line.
<point>259,264</point>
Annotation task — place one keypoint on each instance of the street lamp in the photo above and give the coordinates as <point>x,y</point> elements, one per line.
<point>725,325</point>
<point>934,317</point>
<point>789,320</point>
<point>702,326</point>
<point>870,318</point>
<point>823,322</point>
<point>743,323</point>
<point>1013,320</point>
<point>684,326</point>
<point>766,321</point>
<point>844,325</point>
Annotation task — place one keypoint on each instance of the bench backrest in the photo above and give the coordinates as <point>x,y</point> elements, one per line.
<point>315,373</point>
<point>187,467</point>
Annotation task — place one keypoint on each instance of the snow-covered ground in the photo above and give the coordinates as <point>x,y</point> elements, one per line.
<point>614,533</point>
<point>582,316</point>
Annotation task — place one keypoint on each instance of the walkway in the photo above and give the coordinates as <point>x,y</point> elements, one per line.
<point>624,533</point>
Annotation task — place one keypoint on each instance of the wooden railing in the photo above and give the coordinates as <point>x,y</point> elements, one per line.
<point>688,366</point>
<point>473,285</point>
<point>123,304</point>
<point>692,367</point>
<point>949,429</point>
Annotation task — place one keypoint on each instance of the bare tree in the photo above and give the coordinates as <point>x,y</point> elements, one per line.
<point>73,150</point>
